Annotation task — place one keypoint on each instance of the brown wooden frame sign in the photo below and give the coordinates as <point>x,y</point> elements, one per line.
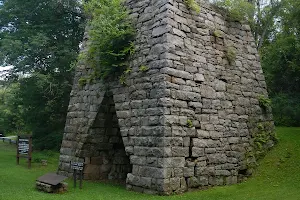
<point>24,148</point>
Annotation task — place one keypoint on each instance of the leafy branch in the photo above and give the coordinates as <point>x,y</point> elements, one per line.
<point>111,35</point>
<point>193,5</point>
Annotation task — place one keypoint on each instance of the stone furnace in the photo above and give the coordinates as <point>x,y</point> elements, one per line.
<point>190,121</point>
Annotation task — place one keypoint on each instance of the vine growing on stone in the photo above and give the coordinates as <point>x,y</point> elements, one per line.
<point>111,35</point>
<point>239,10</point>
<point>263,139</point>
<point>193,5</point>
<point>264,102</point>
<point>230,54</point>
<point>262,136</point>
<point>143,68</point>
<point>218,34</point>
<point>189,123</point>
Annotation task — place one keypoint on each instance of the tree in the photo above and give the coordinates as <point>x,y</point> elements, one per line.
<point>276,28</point>
<point>260,14</point>
<point>40,38</point>
<point>10,111</point>
<point>281,64</point>
<point>281,56</point>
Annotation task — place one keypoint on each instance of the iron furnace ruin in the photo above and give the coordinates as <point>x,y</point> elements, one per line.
<point>190,121</point>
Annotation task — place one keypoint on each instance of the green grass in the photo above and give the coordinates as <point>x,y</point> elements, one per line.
<point>277,177</point>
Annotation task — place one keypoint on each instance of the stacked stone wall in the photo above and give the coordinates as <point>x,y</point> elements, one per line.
<point>187,122</point>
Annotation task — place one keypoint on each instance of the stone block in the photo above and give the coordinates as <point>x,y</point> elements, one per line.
<point>186,141</point>
<point>231,180</point>
<point>200,171</point>
<point>220,86</point>
<point>197,152</point>
<point>207,92</point>
<point>217,158</point>
<point>59,188</point>
<point>145,182</point>
<point>199,78</point>
<point>199,142</point>
<point>151,161</point>
<point>223,173</point>
<point>210,150</point>
<point>180,151</point>
<point>193,182</point>
<point>219,180</point>
<point>163,186</point>
<point>175,183</point>
<point>203,180</point>
<point>234,140</point>
<point>188,171</point>
<point>153,172</point>
<point>202,133</point>
<point>177,172</point>
<point>158,31</point>
<point>171,162</point>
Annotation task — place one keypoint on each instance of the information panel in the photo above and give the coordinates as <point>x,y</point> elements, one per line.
<point>24,149</point>
<point>77,166</point>
<point>23,146</point>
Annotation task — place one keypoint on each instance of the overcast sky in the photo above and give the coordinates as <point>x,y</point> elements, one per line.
<point>5,68</point>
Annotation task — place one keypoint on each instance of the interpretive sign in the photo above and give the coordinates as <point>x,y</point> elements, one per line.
<point>23,146</point>
<point>77,166</point>
<point>24,149</point>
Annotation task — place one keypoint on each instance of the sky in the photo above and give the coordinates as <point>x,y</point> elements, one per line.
<point>5,68</point>
<point>2,71</point>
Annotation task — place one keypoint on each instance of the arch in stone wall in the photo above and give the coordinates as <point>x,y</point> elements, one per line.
<point>103,149</point>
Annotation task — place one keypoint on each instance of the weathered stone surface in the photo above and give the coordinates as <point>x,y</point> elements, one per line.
<point>60,188</point>
<point>199,78</point>
<point>188,171</point>
<point>193,182</point>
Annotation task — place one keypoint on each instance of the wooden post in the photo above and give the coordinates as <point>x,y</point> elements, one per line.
<point>74,175</point>
<point>30,152</point>
<point>81,177</point>
<point>18,155</point>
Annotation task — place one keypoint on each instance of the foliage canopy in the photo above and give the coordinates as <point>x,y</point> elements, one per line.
<point>39,39</point>
<point>111,35</point>
<point>281,64</point>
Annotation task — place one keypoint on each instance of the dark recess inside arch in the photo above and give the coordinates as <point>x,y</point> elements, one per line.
<point>105,156</point>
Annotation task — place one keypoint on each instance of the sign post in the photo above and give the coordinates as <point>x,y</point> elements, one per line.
<point>77,166</point>
<point>24,148</point>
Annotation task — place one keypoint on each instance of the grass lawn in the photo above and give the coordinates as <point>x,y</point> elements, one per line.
<point>277,177</point>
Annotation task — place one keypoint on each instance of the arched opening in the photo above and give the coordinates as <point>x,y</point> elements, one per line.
<point>105,157</point>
